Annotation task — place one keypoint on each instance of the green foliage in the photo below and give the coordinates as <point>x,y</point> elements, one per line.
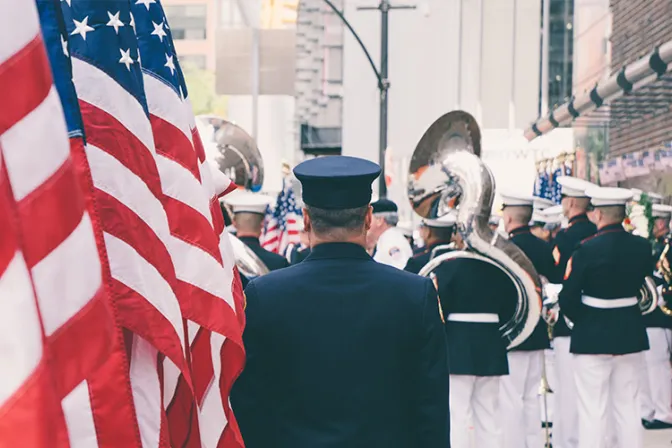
<point>201,86</point>
<point>645,201</point>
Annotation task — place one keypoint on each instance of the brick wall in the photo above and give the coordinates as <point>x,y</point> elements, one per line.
<point>638,26</point>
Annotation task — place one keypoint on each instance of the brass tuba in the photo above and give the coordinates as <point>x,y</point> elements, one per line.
<point>237,155</point>
<point>445,170</point>
<point>663,267</point>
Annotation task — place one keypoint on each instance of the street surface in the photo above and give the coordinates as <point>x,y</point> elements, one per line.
<point>658,439</point>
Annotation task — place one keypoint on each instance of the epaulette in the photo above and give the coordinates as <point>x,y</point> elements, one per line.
<point>419,254</point>
<point>587,239</point>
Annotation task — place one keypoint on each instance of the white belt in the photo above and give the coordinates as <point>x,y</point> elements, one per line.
<point>486,318</point>
<point>594,302</point>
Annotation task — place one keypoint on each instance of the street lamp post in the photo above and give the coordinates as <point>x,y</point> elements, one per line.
<point>381,75</point>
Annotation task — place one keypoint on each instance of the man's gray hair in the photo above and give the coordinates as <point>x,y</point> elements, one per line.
<point>391,218</point>
<point>349,219</point>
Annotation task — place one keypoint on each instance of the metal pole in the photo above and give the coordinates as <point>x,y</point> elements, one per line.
<point>255,82</point>
<point>512,103</point>
<point>565,59</point>
<point>546,21</point>
<point>383,87</point>
<point>459,55</point>
<point>479,112</point>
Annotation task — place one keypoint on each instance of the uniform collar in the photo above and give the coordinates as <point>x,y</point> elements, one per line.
<point>578,218</point>
<point>611,228</point>
<point>338,250</point>
<point>250,240</point>
<point>519,230</point>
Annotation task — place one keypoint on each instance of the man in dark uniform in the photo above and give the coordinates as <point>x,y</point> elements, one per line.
<point>248,219</point>
<point>520,401</point>
<point>574,207</point>
<point>599,295</point>
<point>439,233</point>
<point>476,350</point>
<point>656,378</point>
<point>342,351</point>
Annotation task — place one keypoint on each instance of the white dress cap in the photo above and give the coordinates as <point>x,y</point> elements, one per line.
<point>655,198</point>
<point>551,215</point>
<point>636,194</point>
<point>514,199</point>
<point>542,204</point>
<point>573,186</point>
<point>605,196</point>
<point>447,220</point>
<point>248,202</point>
<point>661,211</point>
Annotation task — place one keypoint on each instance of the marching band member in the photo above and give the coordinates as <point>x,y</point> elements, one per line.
<point>519,400</point>
<point>342,351</point>
<point>439,233</point>
<point>249,210</point>
<point>656,378</point>
<point>391,246</point>
<point>574,205</point>
<point>476,350</point>
<point>601,284</point>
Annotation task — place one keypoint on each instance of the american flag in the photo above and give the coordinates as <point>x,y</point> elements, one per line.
<point>283,223</point>
<point>144,242</point>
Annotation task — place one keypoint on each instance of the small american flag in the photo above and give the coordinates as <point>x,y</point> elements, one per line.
<point>283,223</point>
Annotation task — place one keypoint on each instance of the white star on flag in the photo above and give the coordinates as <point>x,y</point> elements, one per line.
<point>64,44</point>
<point>68,2</point>
<point>115,22</point>
<point>132,23</point>
<point>170,64</point>
<point>158,31</point>
<point>126,58</point>
<point>145,2</point>
<point>82,28</point>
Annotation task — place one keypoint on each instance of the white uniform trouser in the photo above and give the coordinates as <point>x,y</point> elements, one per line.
<point>547,414</point>
<point>655,396</point>
<point>566,419</point>
<point>519,401</point>
<point>474,399</point>
<point>604,382</point>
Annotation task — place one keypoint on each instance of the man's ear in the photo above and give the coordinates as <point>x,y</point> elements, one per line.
<point>306,221</point>
<point>368,219</point>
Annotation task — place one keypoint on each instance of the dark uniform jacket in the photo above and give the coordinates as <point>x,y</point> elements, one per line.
<point>343,352</point>
<point>658,319</point>
<point>271,260</point>
<point>610,265</point>
<point>468,286</point>
<point>421,258</point>
<point>566,241</point>
<point>541,255</point>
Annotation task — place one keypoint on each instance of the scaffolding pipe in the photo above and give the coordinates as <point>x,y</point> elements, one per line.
<point>632,77</point>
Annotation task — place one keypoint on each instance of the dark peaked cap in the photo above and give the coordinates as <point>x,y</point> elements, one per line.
<point>336,182</point>
<point>384,206</point>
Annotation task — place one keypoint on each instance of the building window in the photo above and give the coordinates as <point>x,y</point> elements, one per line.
<point>193,61</point>
<point>560,51</point>
<point>187,22</point>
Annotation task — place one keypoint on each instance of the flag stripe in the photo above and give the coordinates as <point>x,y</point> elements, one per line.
<point>128,267</point>
<point>79,417</point>
<point>42,204</point>
<point>146,391</point>
<point>20,334</point>
<point>182,186</point>
<point>28,169</point>
<point>98,89</point>
<point>23,92</point>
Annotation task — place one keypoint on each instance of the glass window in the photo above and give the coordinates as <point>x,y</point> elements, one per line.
<point>187,21</point>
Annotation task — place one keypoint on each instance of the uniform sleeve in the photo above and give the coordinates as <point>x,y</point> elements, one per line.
<point>429,387</point>
<point>572,287</point>
<point>412,266</point>
<point>549,269</point>
<point>249,397</point>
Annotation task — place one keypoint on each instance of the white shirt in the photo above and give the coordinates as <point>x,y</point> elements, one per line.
<point>393,248</point>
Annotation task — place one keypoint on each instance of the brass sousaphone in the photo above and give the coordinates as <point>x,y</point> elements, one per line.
<point>445,170</point>
<point>238,156</point>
